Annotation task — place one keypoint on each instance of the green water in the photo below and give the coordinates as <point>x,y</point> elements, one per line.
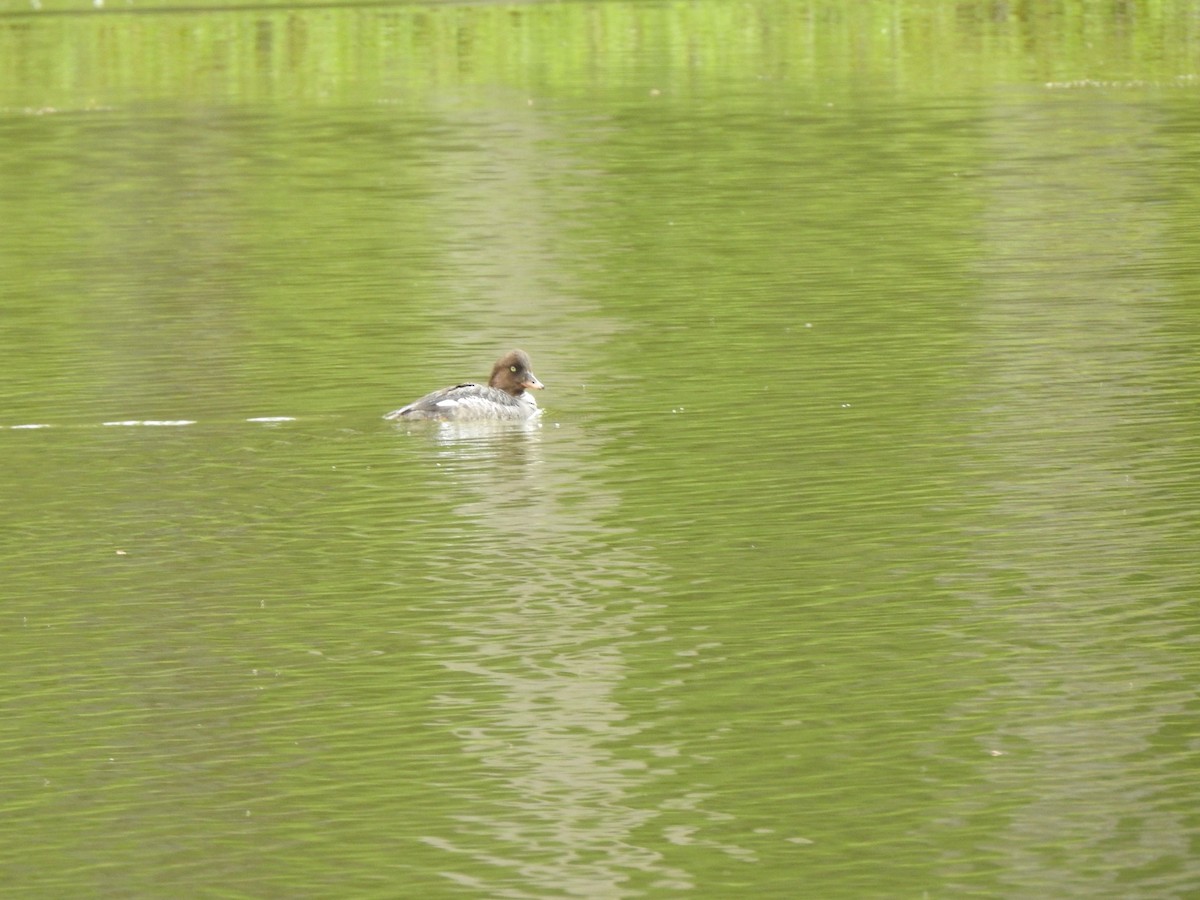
<point>854,554</point>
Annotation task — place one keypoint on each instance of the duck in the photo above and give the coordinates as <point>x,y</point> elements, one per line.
<point>505,397</point>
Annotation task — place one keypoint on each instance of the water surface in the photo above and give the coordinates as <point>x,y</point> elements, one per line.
<point>852,557</point>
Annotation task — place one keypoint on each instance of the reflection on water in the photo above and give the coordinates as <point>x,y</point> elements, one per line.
<point>538,603</point>
<point>481,439</point>
<point>1067,464</point>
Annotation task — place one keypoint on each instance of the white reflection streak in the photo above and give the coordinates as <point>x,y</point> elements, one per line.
<point>543,639</point>
<point>1064,387</point>
<point>545,650</point>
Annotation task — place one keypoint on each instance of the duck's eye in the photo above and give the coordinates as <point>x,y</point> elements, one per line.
<point>512,368</point>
